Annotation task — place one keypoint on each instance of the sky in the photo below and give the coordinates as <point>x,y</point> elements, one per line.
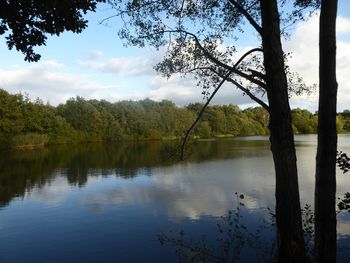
<point>96,65</point>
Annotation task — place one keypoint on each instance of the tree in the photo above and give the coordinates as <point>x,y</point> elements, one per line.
<point>304,121</point>
<point>288,218</point>
<point>11,117</point>
<point>325,188</point>
<point>198,37</point>
<point>27,22</point>
<point>258,114</point>
<point>84,117</point>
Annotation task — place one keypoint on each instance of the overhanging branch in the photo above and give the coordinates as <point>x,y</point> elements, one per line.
<point>244,12</point>
<point>251,95</point>
<point>200,115</point>
<point>234,68</point>
<point>257,74</point>
<point>245,90</point>
<point>216,61</point>
<point>224,78</point>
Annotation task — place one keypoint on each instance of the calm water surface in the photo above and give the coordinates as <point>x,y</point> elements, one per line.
<point>108,203</point>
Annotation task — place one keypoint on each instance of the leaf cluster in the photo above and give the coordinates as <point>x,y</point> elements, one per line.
<point>344,202</point>
<point>343,161</point>
<point>26,23</point>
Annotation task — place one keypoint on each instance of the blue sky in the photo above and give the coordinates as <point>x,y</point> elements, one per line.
<point>95,64</point>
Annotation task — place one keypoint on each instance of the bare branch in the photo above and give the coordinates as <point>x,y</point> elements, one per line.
<point>200,115</point>
<point>258,74</point>
<point>247,91</point>
<point>217,61</point>
<point>252,5</point>
<point>246,54</point>
<point>239,86</point>
<point>101,22</point>
<point>244,12</point>
<point>234,68</point>
<point>254,72</point>
<point>224,78</point>
<point>180,15</point>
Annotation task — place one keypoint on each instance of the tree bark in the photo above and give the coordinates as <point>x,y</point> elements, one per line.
<point>325,189</point>
<point>290,241</point>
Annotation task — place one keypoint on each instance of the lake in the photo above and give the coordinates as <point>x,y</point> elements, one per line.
<point>110,202</point>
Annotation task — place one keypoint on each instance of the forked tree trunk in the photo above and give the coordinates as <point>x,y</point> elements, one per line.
<point>290,241</point>
<point>325,188</point>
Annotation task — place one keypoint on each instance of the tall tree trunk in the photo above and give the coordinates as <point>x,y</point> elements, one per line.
<point>325,189</point>
<point>290,241</point>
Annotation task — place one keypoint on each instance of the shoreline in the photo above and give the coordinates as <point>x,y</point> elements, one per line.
<point>217,137</point>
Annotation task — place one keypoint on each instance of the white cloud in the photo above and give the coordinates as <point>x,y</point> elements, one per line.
<point>54,82</point>
<point>120,66</point>
<point>343,25</point>
<point>95,54</point>
<point>180,90</point>
<point>177,89</point>
<point>184,90</point>
<point>53,194</point>
<point>181,193</point>
<point>50,81</point>
<point>304,47</point>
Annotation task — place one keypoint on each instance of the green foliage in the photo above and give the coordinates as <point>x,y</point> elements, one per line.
<point>230,120</point>
<point>258,114</point>
<point>29,139</point>
<point>343,121</point>
<point>304,121</point>
<point>83,117</point>
<point>23,121</point>
<point>61,131</point>
<point>27,22</point>
<point>204,130</point>
<point>11,117</point>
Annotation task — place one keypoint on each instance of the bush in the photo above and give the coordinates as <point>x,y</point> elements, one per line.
<point>29,139</point>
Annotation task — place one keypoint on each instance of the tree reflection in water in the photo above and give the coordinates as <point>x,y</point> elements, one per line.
<point>234,240</point>
<point>21,171</point>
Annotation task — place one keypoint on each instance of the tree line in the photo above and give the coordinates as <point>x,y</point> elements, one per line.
<point>27,122</point>
<point>194,33</point>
